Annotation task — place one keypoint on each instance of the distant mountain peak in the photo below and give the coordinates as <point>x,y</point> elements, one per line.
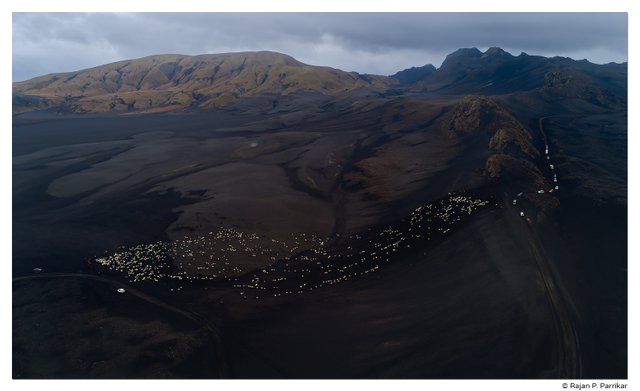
<point>460,56</point>
<point>414,74</point>
<point>495,52</point>
<point>466,52</point>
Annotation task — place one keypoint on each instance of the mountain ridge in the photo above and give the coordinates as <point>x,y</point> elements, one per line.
<point>168,82</point>
<point>496,71</point>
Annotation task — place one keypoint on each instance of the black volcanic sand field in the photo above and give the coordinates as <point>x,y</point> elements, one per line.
<point>488,295</point>
<point>589,234</point>
<point>592,151</point>
<point>75,327</point>
<point>458,311</point>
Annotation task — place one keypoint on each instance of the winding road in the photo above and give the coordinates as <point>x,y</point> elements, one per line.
<point>567,338</point>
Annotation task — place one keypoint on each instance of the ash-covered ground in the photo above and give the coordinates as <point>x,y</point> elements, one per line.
<point>385,237</point>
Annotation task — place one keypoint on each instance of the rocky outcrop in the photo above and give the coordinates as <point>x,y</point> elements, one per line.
<point>511,154</point>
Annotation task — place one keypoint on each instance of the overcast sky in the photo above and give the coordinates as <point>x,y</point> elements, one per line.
<point>379,43</point>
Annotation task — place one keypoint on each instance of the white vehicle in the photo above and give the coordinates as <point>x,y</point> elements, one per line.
<point>540,191</point>
<point>555,180</point>
<point>120,290</point>
<point>551,166</point>
<point>522,214</point>
<point>515,201</point>
<point>557,187</point>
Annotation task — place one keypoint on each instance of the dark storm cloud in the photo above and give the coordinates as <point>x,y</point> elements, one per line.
<point>368,43</point>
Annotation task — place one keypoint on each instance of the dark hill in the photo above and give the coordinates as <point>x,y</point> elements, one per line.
<point>495,71</point>
<point>414,74</point>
